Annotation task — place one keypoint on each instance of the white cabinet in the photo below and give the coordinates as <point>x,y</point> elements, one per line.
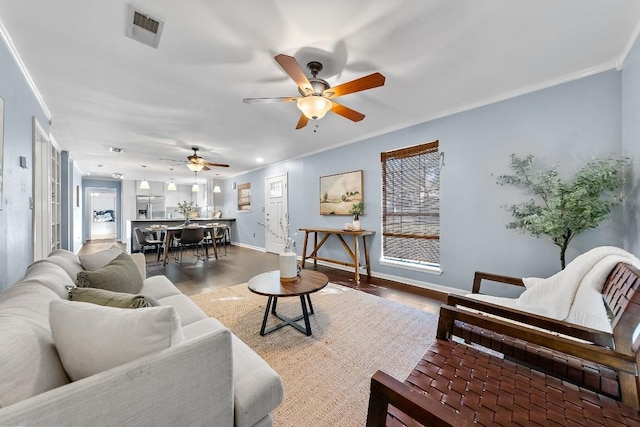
<point>171,198</point>
<point>184,193</point>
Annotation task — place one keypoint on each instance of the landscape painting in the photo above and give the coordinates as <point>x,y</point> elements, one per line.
<point>339,192</point>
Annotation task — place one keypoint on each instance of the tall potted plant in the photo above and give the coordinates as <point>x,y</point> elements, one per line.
<point>564,209</point>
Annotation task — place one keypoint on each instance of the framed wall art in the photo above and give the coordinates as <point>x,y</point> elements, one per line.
<point>244,197</point>
<point>339,192</point>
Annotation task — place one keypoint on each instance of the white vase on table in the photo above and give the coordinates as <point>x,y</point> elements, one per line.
<point>288,266</point>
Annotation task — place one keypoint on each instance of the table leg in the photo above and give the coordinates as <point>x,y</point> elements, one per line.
<point>266,316</point>
<point>212,233</point>
<point>305,315</point>
<point>356,259</point>
<point>310,305</point>
<point>315,248</point>
<point>366,256</point>
<point>167,241</point>
<point>274,304</point>
<point>304,248</point>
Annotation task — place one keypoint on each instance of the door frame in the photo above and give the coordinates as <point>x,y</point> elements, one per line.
<point>41,193</point>
<point>272,243</point>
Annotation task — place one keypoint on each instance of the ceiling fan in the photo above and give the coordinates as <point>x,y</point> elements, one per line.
<point>196,163</point>
<point>317,96</point>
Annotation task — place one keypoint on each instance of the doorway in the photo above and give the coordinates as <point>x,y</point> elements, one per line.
<point>276,213</point>
<point>102,205</point>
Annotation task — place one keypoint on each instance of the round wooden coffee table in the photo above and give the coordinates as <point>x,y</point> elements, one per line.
<point>269,284</point>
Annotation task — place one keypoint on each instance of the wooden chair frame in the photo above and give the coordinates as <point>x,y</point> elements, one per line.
<point>618,350</point>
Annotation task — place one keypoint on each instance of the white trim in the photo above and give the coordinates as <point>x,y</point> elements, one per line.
<point>627,47</point>
<point>243,245</point>
<point>16,56</point>
<point>411,266</point>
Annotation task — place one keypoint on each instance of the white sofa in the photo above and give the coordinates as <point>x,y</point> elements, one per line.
<point>212,378</point>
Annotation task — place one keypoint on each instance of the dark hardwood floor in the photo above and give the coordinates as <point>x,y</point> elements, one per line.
<point>241,264</point>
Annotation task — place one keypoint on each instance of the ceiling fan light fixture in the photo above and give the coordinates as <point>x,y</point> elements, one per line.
<point>314,106</point>
<point>195,167</point>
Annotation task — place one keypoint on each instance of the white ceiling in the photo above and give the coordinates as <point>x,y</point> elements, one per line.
<point>439,57</point>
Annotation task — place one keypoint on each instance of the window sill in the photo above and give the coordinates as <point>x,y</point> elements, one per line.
<point>411,266</point>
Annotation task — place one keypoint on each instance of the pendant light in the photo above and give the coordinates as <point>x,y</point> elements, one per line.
<point>172,184</point>
<point>195,187</point>
<point>144,185</point>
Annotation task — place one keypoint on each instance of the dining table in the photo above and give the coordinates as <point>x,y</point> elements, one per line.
<point>170,232</point>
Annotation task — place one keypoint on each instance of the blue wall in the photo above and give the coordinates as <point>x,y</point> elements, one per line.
<point>631,141</point>
<point>568,124</point>
<point>16,219</point>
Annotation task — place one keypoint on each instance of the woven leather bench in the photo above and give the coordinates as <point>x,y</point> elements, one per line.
<point>619,292</point>
<point>457,385</point>
<point>463,385</point>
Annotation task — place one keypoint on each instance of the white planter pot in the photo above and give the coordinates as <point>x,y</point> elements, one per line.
<point>356,224</point>
<point>288,267</point>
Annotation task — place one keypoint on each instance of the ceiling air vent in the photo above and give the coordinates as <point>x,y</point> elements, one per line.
<point>143,28</point>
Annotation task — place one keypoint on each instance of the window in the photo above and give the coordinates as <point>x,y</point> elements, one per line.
<point>411,206</point>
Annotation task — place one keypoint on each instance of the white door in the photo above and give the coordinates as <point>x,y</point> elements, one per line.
<point>276,213</point>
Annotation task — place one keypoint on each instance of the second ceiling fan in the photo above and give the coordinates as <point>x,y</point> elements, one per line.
<point>317,96</point>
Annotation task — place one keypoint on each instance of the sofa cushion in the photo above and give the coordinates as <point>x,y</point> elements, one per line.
<point>98,260</point>
<point>188,310</point>
<point>120,275</point>
<point>28,357</point>
<point>159,287</point>
<point>72,268</point>
<point>92,338</point>
<point>111,299</point>
<point>50,275</point>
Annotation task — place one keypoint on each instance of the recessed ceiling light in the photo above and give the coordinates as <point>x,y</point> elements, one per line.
<point>259,159</point>
<point>115,149</point>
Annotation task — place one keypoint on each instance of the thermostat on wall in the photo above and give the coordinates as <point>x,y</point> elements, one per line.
<point>24,163</point>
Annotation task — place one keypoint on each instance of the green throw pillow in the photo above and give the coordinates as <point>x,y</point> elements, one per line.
<point>120,275</point>
<point>111,299</point>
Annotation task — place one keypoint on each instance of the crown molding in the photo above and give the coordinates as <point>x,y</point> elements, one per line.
<point>628,46</point>
<point>16,56</point>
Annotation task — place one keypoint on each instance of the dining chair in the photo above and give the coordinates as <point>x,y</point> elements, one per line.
<point>145,242</point>
<point>194,238</point>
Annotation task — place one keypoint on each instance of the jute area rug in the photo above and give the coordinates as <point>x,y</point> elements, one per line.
<point>326,376</point>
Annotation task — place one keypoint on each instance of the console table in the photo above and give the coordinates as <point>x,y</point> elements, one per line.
<point>353,253</point>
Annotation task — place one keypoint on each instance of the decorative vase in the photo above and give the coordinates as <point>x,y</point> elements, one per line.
<point>288,267</point>
<point>356,224</point>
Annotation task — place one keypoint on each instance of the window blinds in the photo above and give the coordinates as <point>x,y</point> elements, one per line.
<point>411,204</point>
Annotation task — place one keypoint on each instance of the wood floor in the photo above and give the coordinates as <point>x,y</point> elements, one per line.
<point>241,264</point>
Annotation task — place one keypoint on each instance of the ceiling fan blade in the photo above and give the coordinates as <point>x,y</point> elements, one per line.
<point>205,168</point>
<point>219,165</point>
<point>302,122</point>
<point>269,100</point>
<point>172,160</point>
<point>292,68</point>
<point>347,112</point>
<point>357,85</point>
